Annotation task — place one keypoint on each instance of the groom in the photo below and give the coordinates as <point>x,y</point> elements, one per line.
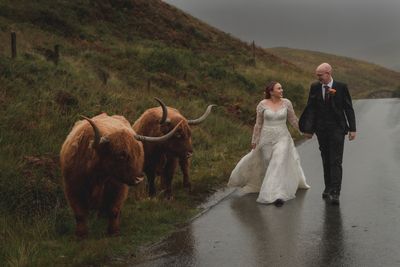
<point>329,114</point>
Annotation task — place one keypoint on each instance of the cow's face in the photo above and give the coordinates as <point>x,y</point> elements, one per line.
<point>181,143</point>
<point>122,158</point>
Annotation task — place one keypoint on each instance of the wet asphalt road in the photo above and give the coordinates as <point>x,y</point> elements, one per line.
<point>307,231</point>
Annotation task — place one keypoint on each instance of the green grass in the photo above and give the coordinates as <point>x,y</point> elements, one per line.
<point>49,241</point>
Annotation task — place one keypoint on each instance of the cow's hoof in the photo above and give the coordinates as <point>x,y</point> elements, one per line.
<point>188,187</point>
<point>169,197</point>
<point>113,232</point>
<point>102,214</point>
<point>80,235</point>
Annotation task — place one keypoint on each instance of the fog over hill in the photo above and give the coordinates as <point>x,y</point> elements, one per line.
<point>363,29</point>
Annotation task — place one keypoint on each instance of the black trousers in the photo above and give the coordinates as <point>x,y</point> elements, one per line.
<point>331,143</point>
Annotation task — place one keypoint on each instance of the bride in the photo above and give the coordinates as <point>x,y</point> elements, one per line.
<point>272,167</point>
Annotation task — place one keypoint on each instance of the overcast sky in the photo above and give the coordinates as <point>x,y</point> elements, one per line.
<point>364,29</point>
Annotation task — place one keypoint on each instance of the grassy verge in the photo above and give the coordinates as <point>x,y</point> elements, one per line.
<point>49,241</point>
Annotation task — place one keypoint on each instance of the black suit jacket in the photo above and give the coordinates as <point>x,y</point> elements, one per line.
<point>340,103</point>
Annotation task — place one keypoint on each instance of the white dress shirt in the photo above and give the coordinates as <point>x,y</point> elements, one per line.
<point>323,89</point>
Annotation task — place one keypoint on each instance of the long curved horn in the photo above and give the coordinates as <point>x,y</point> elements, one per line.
<point>97,135</point>
<point>203,117</point>
<point>157,139</point>
<point>164,110</point>
<point>139,179</point>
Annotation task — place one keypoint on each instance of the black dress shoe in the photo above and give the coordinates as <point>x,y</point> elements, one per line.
<point>279,202</point>
<point>335,199</point>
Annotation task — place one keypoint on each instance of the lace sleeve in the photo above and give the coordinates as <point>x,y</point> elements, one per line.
<point>291,116</point>
<point>258,125</point>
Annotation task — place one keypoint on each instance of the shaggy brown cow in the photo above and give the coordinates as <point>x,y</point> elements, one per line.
<point>165,156</point>
<point>99,159</point>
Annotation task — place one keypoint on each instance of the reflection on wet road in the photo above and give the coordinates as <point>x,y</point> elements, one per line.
<point>307,231</point>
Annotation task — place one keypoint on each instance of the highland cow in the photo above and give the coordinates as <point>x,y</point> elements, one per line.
<point>99,159</point>
<point>164,157</point>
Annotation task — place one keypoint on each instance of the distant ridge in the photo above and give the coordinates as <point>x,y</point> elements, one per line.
<point>362,77</point>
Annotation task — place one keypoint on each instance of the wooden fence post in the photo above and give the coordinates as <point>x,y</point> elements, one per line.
<point>254,53</point>
<point>13,45</point>
<point>56,53</point>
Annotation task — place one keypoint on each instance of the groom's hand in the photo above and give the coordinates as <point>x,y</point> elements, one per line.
<point>352,136</point>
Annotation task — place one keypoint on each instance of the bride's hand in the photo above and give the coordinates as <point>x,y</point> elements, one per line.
<point>253,146</point>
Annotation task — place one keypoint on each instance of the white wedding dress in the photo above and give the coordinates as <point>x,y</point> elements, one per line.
<point>273,168</point>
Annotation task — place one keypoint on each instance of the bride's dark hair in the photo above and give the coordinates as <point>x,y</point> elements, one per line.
<point>269,88</point>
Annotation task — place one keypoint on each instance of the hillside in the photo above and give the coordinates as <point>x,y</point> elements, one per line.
<point>364,79</point>
<point>115,56</point>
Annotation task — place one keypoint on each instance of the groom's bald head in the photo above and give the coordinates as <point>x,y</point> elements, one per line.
<point>324,73</point>
<point>324,67</point>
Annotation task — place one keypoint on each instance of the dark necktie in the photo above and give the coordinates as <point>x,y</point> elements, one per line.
<point>326,93</point>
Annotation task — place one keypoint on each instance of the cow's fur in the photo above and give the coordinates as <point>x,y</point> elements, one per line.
<point>97,177</point>
<point>164,157</point>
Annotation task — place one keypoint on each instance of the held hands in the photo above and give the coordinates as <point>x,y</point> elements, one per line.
<point>308,135</point>
<point>352,136</point>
